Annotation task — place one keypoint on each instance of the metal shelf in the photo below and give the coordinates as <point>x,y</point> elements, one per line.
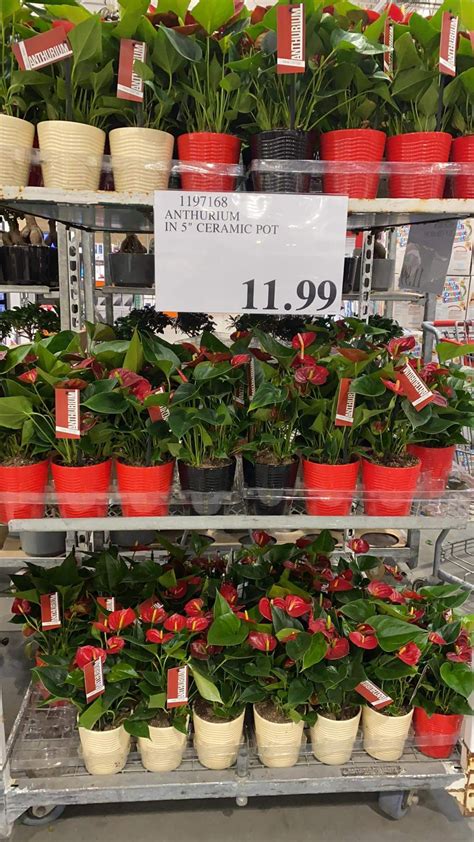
<point>110,211</point>
<point>38,290</point>
<point>110,290</point>
<point>392,295</point>
<point>43,751</point>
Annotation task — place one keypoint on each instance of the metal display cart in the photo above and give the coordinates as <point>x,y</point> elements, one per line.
<point>40,769</point>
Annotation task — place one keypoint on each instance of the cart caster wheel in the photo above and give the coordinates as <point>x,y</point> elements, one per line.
<point>395,805</point>
<point>241,801</point>
<point>42,815</point>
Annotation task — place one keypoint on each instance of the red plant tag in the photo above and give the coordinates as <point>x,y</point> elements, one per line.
<point>251,365</point>
<point>129,83</point>
<point>291,39</point>
<point>177,687</point>
<point>67,413</point>
<point>50,613</point>
<point>345,404</point>
<point>43,49</point>
<point>107,602</point>
<point>414,387</point>
<point>373,694</point>
<point>447,44</point>
<point>93,680</point>
<point>239,400</point>
<point>388,42</point>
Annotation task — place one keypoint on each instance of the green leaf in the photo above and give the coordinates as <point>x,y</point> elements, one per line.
<point>206,688</point>
<point>134,357</point>
<point>212,14</point>
<point>447,351</point>
<point>359,610</point>
<point>316,651</point>
<point>221,606</point>
<point>86,44</point>
<point>157,700</point>
<point>392,633</point>
<point>120,672</point>
<point>137,728</point>
<point>91,715</point>
<point>295,649</point>
<point>394,670</point>
<point>299,691</point>
<point>188,48</point>
<point>227,630</point>
<point>14,412</point>
<point>369,384</point>
<point>107,403</point>
<point>459,677</point>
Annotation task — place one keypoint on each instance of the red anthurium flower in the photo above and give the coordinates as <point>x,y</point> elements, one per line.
<point>63,24</point>
<point>306,359</point>
<point>364,637</point>
<point>102,624</point>
<point>462,654</point>
<point>152,612</point>
<point>354,355</point>
<point>315,374</point>
<point>196,580</point>
<point>137,385</point>
<point>295,606</point>
<point>193,607</point>
<point>262,641</point>
<point>115,645</point>
<point>400,345</point>
<point>435,637</point>
<point>177,592</point>
<point>371,15</point>
<point>265,604</point>
<point>410,654</point>
<point>413,595</point>
<point>175,622</point>
<point>303,542</point>
<point>238,334</point>
<point>158,636</point>
<point>291,565</point>
<point>73,383</point>
<point>438,399</point>
<point>261,538</point>
<point>29,376</point>
<point>394,571</point>
<point>244,615</point>
<point>397,598</point>
<point>218,357</point>
<point>317,625</point>
<point>119,620</point>
<point>264,356</point>
<point>359,546</point>
<point>86,654</point>
<point>229,592</point>
<point>415,614</point>
<point>395,13</point>
<point>240,359</point>
<point>340,583</point>
<point>87,421</point>
<point>394,387</point>
<point>21,606</point>
<point>290,636</point>
<point>198,649</point>
<point>380,590</point>
<point>338,648</point>
<point>289,662</point>
<point>182,376</point>
<point>197,624</point>
<point>303,340</point>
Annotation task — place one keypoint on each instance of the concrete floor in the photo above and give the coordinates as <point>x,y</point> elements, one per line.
<point>341,818</point>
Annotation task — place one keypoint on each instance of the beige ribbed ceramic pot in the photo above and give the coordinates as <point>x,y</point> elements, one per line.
<point>141,158</point>
<point>71,154</point>
<point>217,743</point>
<point>16,143</point>
<point>104,752</point>
<point>333,740</point>
<point>278,743</point>
<point>164,750</point>
<point>385,736</point>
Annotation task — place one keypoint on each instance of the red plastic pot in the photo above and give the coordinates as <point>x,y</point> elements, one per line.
<point>421,148</point>
<point>82,492</point>
<point>388,491</point>
<point>144,492</point>
<point>332,487</point>
<point>210,148</point>
<point>27,485</point>
<point>357,145</point>
<point>462,152</point>
<point>436,735</point>
<point>436,465</point>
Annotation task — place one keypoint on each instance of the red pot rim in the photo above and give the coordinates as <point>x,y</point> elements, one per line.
<point>351,132</point>
<point>20,467</point>
<point>366,461</point>
<point>208,134</point>
<point>419,134</point>
<point>122,464</point>
<point>353,460</point>
<point>58,466</point>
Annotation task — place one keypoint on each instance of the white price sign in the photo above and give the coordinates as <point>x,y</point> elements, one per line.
<point>249,252</point>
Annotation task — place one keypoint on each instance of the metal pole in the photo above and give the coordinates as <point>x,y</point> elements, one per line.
<point>63,263</point>
<point>88,277</point>
<point>366,275</point>
<point>429,315</point>
<point>109,299</point>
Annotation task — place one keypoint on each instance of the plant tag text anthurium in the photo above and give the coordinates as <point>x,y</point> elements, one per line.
<point>345,404</point>
<point>373,694</point>
<point>130,84</point>
<point>67,412</point>
<point>388,34</point>
<point>448,43</point>
<point>291,39</point>
<point>50,611</point>
<point>177,687</point>
<point>93,679</point>
<point>43,49</point>
<point>414,387</point>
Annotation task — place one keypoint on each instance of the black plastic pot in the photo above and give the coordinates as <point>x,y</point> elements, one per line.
<point>282,144</point>
<point>23,265</point>
<point>204,486</point>
<point>262,476</point>
<point>132,270</point>
<point>351,273</point>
